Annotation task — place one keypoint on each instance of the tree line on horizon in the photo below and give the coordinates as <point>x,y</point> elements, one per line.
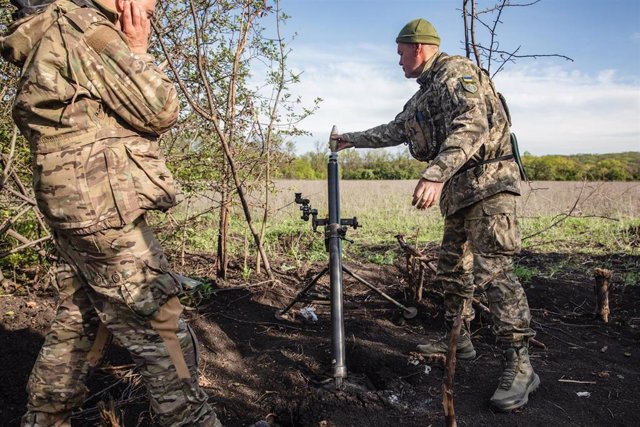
<point>382,164</point>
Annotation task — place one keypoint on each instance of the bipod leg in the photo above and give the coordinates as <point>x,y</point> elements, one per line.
<point>302,292</point>
<point>408,312</point>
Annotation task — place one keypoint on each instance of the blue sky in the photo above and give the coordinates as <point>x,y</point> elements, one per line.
<point>347,55</point>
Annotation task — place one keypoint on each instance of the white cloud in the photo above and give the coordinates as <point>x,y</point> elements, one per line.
<point>555,110</point>
<point>560,112</point>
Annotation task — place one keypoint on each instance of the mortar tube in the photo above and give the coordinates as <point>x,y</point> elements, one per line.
<point>335,272</point>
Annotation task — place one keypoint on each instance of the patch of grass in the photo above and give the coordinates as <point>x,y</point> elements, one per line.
<point>385,258</point>
<point>630,278</point>
<point>589,235</point>
<point>525,274</point>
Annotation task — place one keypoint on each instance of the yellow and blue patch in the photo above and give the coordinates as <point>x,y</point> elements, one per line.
<point>469,84</point>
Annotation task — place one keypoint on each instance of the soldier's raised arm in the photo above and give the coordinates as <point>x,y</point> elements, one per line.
<point>114,68</point>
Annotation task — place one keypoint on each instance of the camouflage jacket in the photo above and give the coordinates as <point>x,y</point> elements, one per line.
<point>92,111</point>
<point>457,122</point>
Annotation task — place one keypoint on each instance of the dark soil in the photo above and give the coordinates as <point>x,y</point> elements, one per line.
<point>255,366</point>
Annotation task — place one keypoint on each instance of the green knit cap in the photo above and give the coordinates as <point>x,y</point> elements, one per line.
<point>419,31</point>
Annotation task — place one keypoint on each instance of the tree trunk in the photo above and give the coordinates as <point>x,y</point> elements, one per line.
<point>601,290</point>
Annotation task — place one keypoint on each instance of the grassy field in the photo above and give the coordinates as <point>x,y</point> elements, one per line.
<point>587,217</point>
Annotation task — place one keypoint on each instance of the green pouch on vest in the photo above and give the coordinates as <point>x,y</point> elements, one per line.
<point>516,157</point>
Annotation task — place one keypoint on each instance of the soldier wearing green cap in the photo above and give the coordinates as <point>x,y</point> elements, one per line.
<point>459,124</point>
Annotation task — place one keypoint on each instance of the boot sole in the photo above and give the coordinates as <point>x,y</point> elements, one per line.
<point>520,403</point>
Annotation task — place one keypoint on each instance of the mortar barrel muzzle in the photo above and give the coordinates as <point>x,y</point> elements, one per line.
<point>333,144</point>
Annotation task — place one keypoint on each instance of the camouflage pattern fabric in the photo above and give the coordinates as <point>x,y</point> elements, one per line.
<point>91,110</point>
<point>477,249</point>
<point>119,278</point>
<point>457,122</point>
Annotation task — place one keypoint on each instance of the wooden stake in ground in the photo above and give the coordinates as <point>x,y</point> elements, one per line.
<point>449,372</point>
<point>601,290</point>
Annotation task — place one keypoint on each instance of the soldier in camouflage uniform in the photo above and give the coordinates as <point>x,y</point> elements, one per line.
<point>458,123</point>
<point>92,104</point>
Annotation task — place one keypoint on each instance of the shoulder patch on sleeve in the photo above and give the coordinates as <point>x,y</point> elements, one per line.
<point>469,84</point>
<point>99,38</point>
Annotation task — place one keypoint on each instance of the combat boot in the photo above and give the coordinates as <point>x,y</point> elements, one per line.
<point>464,348</point>
<point>517,380</point>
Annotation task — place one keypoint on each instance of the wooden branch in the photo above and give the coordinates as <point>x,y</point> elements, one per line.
<point>483,307</point>
<point>562,217</point>
<point>601,289</point>
<point>21,196</point>
<point>465,15</point>
<point>12,150</point>
<point>416,265</point>
<point>532,55</point>
<point>449,372</point>
<point>10,221</point>
<point>272,118</point>
<point>26,245</point>
<point>26,197</point>
<point>493,33</point>
<point>473,34</point>
<point>403,244</point>
<point>199,58</point>
<point>538,344</point>
<point>187,94</point>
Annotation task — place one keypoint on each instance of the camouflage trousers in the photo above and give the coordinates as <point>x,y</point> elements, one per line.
<point>117,282</point>
<point>478,245</point>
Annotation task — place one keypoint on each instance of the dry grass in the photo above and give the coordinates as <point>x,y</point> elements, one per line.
<point>560,215</point>
<point>539,198</point>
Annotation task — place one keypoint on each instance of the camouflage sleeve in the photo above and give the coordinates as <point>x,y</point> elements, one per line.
<point>127,83</point>
<point>388,135</point>
<point>465,117</point>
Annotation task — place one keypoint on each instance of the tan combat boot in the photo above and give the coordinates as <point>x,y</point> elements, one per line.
<point>517,380</point>
<point>464,348</point>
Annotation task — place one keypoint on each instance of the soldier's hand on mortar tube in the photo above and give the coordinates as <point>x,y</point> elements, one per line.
<point>135,25</point>
<point>426,193</point>
<point>341,143</point>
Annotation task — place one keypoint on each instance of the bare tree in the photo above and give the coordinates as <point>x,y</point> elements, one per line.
<point>213,50</point>
<point>489,52</point>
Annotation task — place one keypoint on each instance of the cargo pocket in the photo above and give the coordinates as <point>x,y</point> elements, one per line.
<point>154,286</point>
<point>152,179</point>
<point>61,188</point>
<point>502,231</point>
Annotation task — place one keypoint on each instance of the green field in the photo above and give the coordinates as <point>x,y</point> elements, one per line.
<point>589,217</point>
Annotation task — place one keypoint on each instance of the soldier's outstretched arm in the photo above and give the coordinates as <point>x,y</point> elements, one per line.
<point>387,135</point>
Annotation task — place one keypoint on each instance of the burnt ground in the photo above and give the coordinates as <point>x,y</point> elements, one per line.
<point>255,366</point>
